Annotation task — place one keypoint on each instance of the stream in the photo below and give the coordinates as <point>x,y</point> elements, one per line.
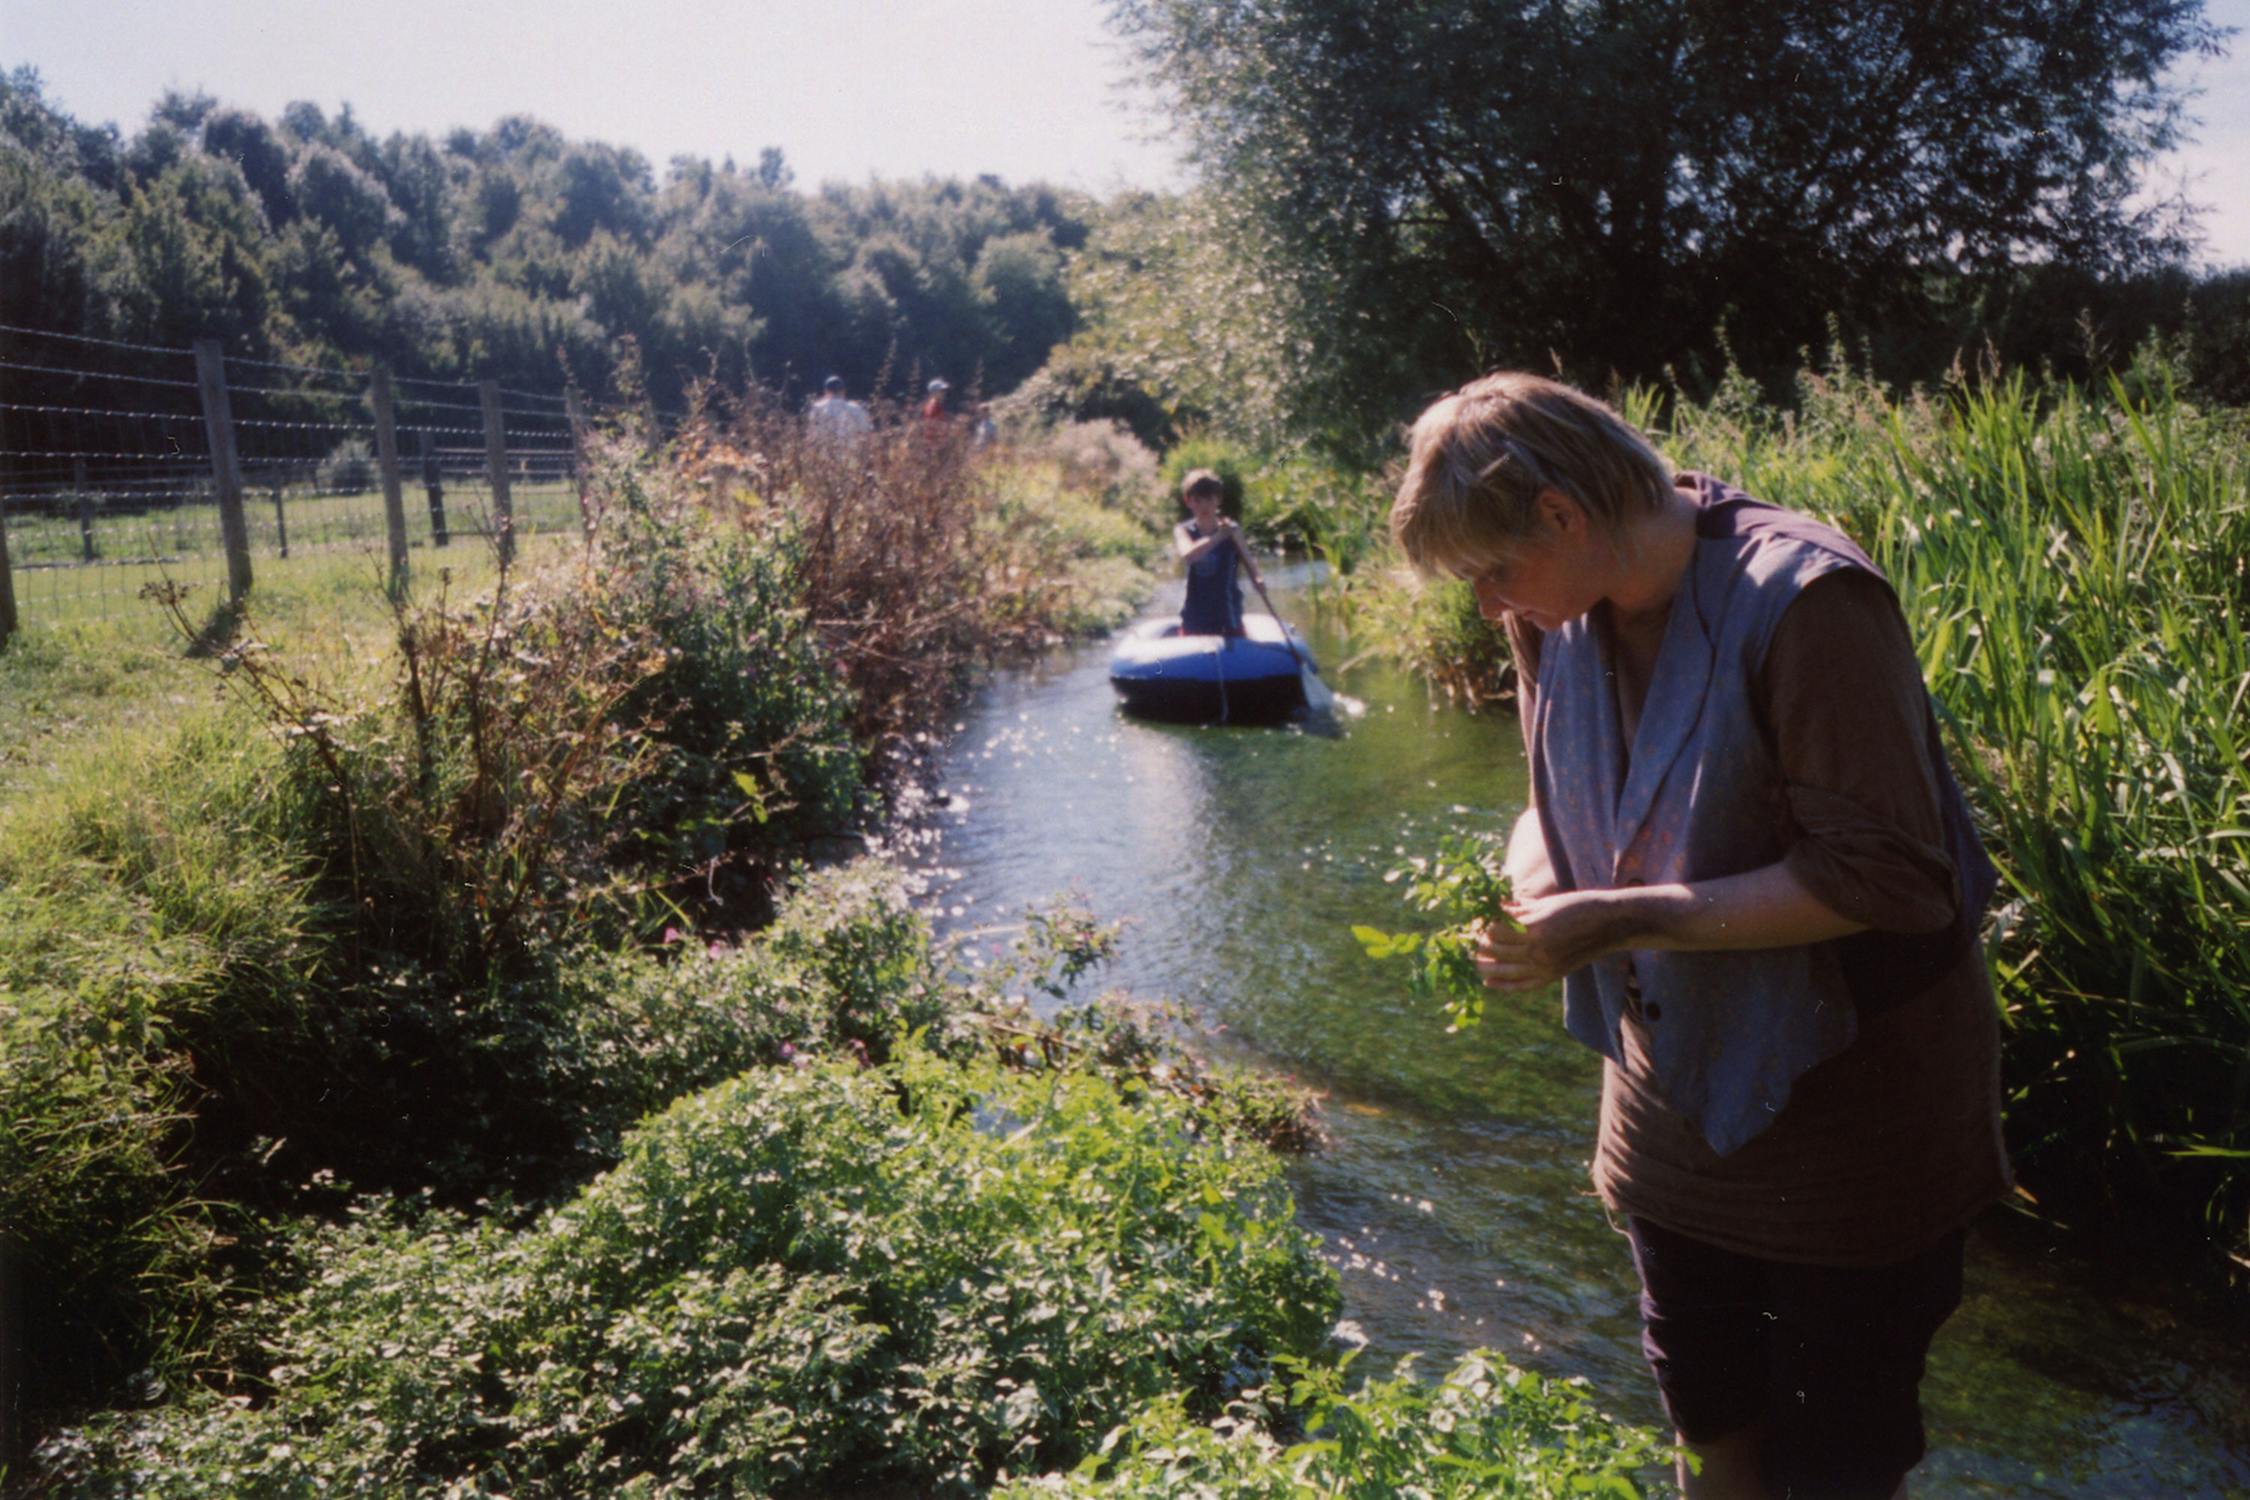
<point>1453,1197</point>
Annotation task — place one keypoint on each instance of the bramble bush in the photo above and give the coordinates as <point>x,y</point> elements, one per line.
<point>750,753</point>
<point>1486,1431</point>
<point>803,1279</point>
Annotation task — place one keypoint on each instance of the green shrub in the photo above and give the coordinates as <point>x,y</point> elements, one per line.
<point>1116,1037</point>
<point>349,469</point>
<point>1233,465</point>
<point>1300,503</point>
<point>846,969</point>
<point>799,1280</point>
<point>748,723</point>
<point>1487,1431</point>
<point>1434,630</point>
<point>1101,459</point>
<point>1075,563</point>
<point>1078,386</point>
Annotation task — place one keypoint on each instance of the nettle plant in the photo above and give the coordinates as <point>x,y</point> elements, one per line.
<point>1462,885</point>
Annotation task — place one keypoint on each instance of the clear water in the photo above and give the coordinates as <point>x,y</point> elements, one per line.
<point>1453,1198</point>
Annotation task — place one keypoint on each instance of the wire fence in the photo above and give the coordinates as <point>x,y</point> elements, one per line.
<point>109,480</point>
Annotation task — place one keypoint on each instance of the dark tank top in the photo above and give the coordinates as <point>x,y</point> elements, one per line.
<point>1214,592</point>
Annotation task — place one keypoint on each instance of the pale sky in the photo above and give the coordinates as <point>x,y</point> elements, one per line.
<point>1026,89</point>
<point>850,89</point>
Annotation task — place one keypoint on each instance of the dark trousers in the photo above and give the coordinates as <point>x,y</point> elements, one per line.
<point>1829,1359</point>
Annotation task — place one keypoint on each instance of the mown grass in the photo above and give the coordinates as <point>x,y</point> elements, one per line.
<point>329,537</point>
<point>71,683</point>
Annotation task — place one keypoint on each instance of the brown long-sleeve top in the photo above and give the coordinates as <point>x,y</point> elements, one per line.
<point>1896,1141</point>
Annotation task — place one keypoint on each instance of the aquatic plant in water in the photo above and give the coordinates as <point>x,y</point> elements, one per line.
<point>1463,885</point>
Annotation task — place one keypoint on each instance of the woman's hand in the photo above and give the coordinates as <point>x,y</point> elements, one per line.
<point>1559,933</point>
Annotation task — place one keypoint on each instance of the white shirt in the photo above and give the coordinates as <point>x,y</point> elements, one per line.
<point>835,419</point>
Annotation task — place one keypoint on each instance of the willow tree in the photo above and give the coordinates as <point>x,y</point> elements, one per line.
<point>1454,183</point>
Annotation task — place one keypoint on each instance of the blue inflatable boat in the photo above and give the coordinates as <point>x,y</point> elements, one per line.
<point>1210,679</point>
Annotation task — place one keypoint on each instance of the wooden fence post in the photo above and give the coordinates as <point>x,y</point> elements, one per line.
<point>496,468</point>
<point>8,621</point>
<point>574,410</point>
<point>433,486</point>
<point>218,420</point>
<point>386,457</point>
<point>281,520</point>
<point>13,1439</point>
<point>85,498</point>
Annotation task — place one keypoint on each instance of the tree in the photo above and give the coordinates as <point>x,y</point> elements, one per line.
<point>514,251</point>
<point>1019,278</point>
<point>1179,329</point>
<point>329,188</point>
<point>1605,181</point>
<point>254,146</point>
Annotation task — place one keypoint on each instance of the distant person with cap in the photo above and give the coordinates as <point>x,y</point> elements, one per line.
<point>933,410</point>
<point>835,419</point>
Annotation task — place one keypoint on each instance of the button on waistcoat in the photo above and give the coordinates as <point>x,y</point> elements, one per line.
<point>1700,796</point>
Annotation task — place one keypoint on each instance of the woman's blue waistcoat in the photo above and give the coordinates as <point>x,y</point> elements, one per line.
<point>1728,1033</point>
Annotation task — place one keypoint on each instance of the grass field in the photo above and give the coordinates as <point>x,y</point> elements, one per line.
<point>86,673</point>
<point>55,585</point>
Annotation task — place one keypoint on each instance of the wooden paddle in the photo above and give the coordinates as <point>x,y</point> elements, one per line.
<point>1317,696</point>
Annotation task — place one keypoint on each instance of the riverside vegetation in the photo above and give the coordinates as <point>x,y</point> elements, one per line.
<point>432,1068</point>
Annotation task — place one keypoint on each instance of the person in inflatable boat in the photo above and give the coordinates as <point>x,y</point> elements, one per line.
<point>1210,547</point>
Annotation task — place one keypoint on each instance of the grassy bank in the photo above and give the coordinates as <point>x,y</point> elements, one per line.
<point>2072,565</point>
<point>428,1065</point>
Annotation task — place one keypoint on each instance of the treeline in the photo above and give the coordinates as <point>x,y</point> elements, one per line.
<point>1397,198</point>
<point>514,252</point>
<point>1317,289</point>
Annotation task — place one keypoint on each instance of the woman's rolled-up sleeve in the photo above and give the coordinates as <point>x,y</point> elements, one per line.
<point>1844,702</point>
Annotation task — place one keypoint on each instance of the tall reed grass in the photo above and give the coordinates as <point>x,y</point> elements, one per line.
<point>2073,565</point>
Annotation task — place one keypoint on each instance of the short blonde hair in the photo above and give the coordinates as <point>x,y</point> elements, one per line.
<point>1482,456</point>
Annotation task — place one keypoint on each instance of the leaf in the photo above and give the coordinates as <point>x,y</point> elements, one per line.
<point>1376,941</point>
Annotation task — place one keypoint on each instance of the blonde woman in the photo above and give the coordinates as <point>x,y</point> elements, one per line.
<point>1749,866</point>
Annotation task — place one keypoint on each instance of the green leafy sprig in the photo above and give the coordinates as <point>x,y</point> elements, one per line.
<point>1463,886</point>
